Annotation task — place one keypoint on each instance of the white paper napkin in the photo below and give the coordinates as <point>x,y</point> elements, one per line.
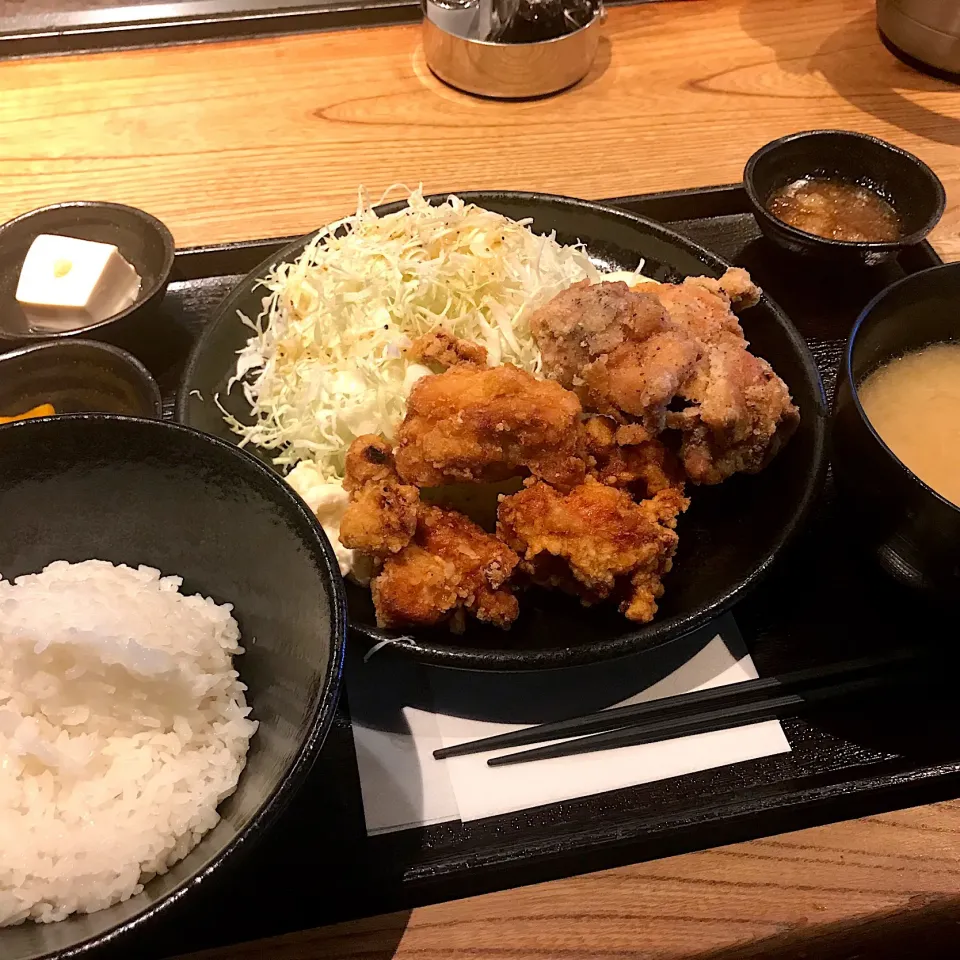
<point>401,713</point>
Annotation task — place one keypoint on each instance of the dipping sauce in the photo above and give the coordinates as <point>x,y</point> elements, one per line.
<point>836,210</point>
<point>913,402</point>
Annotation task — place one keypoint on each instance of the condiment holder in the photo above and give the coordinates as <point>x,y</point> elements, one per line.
<point>511,49</point>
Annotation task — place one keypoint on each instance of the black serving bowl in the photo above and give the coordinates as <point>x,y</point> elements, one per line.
<point>146,492</point>
<point>77,376</point>
<point>142,240</point>
<point>729,538</point>
<point>912,531</point>
<point>904,181</point>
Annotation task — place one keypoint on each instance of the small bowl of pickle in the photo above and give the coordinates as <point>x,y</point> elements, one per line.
<point>75,376</point>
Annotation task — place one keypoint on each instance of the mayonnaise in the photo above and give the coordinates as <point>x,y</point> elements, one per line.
<point>328,501</point>
<point>630,278</point>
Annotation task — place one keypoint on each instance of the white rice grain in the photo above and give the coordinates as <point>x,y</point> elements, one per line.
<point>122,726</point>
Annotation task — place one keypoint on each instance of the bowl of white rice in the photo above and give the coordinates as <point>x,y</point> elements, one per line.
<point>172,627</point>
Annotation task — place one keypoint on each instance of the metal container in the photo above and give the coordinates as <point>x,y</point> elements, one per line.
<point>507,71</point>
<point>925,30</point>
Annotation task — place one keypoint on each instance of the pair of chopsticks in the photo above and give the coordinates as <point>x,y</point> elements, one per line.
<point>686,714</point>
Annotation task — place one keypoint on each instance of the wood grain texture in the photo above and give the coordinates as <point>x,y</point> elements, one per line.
<point>271,137</point>
<point>873,888</point>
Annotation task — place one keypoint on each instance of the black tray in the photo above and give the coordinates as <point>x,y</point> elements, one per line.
<point>823,603</point>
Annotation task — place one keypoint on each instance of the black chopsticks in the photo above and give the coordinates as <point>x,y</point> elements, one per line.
<point>704,711</point>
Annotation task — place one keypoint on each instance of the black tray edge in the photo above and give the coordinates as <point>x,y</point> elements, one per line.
<point>667,206</point>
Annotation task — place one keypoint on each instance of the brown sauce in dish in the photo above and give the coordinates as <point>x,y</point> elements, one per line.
<point>836,210</point>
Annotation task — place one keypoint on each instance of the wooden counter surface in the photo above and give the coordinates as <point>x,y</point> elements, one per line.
<point>881,888</point>
<point>272,137</point>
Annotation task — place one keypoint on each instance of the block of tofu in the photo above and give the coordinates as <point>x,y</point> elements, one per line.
<point>66,283</point>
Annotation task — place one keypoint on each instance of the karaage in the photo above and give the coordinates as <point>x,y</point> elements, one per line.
<point>628,457</point>
<point>672,356</point>
<point>469,425</point>
<point>595,541</point>
<point>446,350</point>
<point>451,566</point>
<point>381,517</point>
<point>617,348</point>
<point>734,412</point>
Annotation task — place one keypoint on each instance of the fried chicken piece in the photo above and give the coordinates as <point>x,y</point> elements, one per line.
<point>740,416</point>
<point>686,368</point>
<point>617,347</point>
<point>629,458</point>
<point>737,412</point>
<point>595,542</point>
<point>703,306</point>
<point>443,348</point>
<point>469,425</point>
<point>381,517</point>
<point>735,284</point>
<point>452,565</point>
<point>588,320</point>
<point>369,459</point>
<point>641,379</point>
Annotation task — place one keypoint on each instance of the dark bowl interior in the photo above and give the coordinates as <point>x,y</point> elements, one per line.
<point>142,240</point>
<point>903,180</point>
<point>728,538</point>
<point>912,531</point>
<point>77,376</point>
<point>144,492</point>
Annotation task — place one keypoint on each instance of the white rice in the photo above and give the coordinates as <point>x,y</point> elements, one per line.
<point>122,727</point>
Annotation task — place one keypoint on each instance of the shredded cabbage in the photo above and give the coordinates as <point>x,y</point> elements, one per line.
<point>326,360</point>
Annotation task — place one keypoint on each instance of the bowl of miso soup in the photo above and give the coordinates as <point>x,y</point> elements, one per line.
<point>842,196</point>
<point>896,430</point>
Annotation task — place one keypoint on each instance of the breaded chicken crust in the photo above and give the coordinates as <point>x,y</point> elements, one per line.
<point>628,457</point>
<point>595,541</point>
<point>452,565</point>
<point>487,425</point>
<point>617,348</point>
<point>381,517</point>
<point>443,348</point>
<point>672,356</point>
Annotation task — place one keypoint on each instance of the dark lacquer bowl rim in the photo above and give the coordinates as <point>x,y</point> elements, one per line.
<point>148,224</point>
<point>854,386</point>
<point>644,636</point>
<point>324,697</point>
<point>132,366</point>
<point>826,243</point>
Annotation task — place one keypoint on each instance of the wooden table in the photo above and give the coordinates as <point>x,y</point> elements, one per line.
<point>272,137</point>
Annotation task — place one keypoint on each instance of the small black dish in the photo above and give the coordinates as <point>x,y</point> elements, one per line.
<point>77,376</point>
<point>912,531</point>
<point>147,492</point>
<point>900,178</point>
<point>142,240</point>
